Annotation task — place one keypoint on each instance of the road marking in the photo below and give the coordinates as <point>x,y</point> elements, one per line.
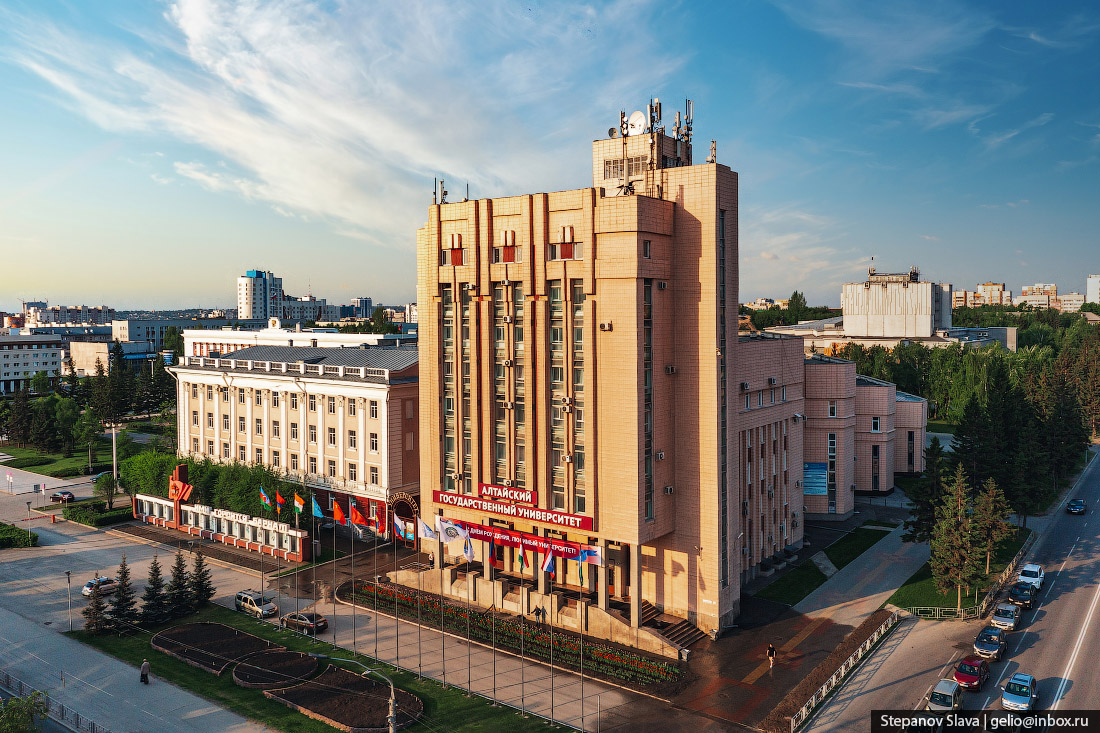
<point>757,673</point>
<point>1076,649</point>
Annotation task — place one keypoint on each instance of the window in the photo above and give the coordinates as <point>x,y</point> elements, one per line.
<point>274,399</point>
<point>209,392</point>
<point>874,468</point>
<point>832,408</point>
<point>275,429</point>
<point>225,450</point>
<point>874,425</point>
<point>374,409</point>
<point>194,418</point>
<point>353,472</point>
<point>352,439</point>
<point>312,433</point>
<point>773,395</point>
<point>293,401</point>
<point>293,461</point>
<point>210,420</point>
<point>259,455</point>
<point>275,458</point>
<point>374,475</point>
<point>209,447</point>
<point>649,503</point>
<point>240,396</point>
<point>645,248</point>
<point>374,442</point>
<point>313,403</point>
<point>760,398</point>
<point>225,396</point>
<point>748,405</point>
<point>294,431</point>
<point>332,436</point>
<point>259,398</point>
<point>332,469</point>
<point>194,389</point>
<point>351,406</point>
<point>332,405</point>
<point>240,424</point>
<point>312,464</point>
<point>259,426</point>
<point>783,394</point>
<point>240,454</point>
<point>194,445</point>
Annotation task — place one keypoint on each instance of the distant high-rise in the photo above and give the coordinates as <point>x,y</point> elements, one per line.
<point>363,307</point>
<point>1092,289</point>
<point>259,295</point>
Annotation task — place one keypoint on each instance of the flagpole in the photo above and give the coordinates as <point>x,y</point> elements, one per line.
<point>442,633</point>
<point>552,604</point>
<point>492,615</point>
<point>469,647</point>
<point>296,516</point>
<point>396,617</point>
<point>376,538</point>
<point>334,575</point>
<point>351,524</point>
<point>580,627</point>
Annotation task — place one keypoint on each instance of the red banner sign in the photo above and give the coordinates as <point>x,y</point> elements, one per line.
<point>492,491</point>
<point>531,514</point>
<point>526,542</point>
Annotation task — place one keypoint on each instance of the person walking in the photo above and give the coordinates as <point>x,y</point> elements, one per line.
<point>771,655</point>
<point>145,671</point>
<point>431,561</point>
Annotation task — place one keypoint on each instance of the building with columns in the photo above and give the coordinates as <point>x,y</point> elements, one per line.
<point>342,420</point>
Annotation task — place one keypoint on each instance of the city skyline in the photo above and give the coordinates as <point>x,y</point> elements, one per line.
<point>960,138</point>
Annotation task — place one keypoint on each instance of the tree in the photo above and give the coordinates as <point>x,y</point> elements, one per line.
<point>40,383</point>
<point>101,392</point>
<point>86,434</point>
<point>72,379</point>
<point>179,594</point>
<point>21,714</point>
<point>20,419</point>
<point>796,307</point>
<point>926,496</point>
<point>202,586</point>
<point>95,613</point>
<point>953,564</point>
<point>154,604</point>
<point>66,414</point>
<point>173,341</point>
<point>989,523</point>
<point>124,613</point>
<point>44,435</point>
<point>107,487</point>
<point>121,383</point>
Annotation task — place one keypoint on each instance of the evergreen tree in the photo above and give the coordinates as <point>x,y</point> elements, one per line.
<point>926,496</point>
<point>953,564</point>
<point>101,393</point>
<point>86,433</point>
<point>95,614</point>
<point>20,419</point>
<point>971,441</point>
<point>121,383</point>
<point>178,593</point>
<point>66,413</point>
<point>796,307</point>
<point>44,435</point>
<point>124,613</point>
<point>989,523</point>
<point>154,603</point>
<point>72,380</point>
<point>202,586</point>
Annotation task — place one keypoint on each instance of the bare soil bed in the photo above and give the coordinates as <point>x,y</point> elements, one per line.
<point>210,646</point>
<point>268,670</point>
<point>348,702</point>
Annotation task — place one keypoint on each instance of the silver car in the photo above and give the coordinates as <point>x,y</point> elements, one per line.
<point>1006,616</point>
<point>106,585</point>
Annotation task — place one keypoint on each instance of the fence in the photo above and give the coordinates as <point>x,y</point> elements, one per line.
<point>980,610</point>
<point>803,713</point>
<point>67,716</point>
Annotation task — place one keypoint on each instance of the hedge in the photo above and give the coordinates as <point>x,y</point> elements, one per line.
<point>16,537</point>
<point>94,515</point>
<point>28,462</point>
<point>81,470</point>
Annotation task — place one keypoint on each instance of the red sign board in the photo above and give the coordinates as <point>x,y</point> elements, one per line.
<point>492,491</point>
<point>522,540</point>
<point>515,511</point>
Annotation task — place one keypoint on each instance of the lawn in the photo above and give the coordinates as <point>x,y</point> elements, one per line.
<point>852,545</point>
<point>940,426</point>
<point>59,464</point>
<point>881,523</point>
<point>920,590</point>
<point>795,585</point>
<point>448,709</point>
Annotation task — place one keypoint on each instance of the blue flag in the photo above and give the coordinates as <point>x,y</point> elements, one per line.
<point>316,508</point>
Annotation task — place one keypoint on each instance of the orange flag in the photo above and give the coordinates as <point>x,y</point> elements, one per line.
<point>356,517</point>
<point>338,513</point>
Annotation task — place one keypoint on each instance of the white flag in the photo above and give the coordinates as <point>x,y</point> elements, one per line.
<point>423,531</point>
<point>468,550</point>
<point>450,531</point>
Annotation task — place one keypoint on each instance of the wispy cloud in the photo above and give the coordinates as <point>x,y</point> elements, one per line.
<point>995,140</point>
<point>930,237</point>
<point>347,116</point>
<point>1007,205</point>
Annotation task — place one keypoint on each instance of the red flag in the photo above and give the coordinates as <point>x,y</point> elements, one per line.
<point>338,513</point>
<point>279,500</point>
<point>356,517</point>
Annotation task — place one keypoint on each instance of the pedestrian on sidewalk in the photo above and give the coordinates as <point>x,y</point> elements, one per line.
<point>431,561</point>
<point>145,671</point>
<point>771,655</point>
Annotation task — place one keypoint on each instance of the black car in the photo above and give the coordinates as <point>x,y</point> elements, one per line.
<point>1022,594</point>
<point>310,623</point>
<point>62,497</point>
<point>1077,506</point>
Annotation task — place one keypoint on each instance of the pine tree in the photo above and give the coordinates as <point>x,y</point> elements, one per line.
<point>989,523</point>
<point>154,604</point>
<point>101,393</point>
<point>202,587</point>
<point>952,562</point>
<point>971,441</point>
<point>178,594</point>
<point>95,614</point>
<point>926,496</point>
<point>20,418</point>
<point>123,613</point>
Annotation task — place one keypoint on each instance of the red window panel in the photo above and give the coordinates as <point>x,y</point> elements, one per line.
<point>566,251</point>
<point>509,254</point>
<point>456,257</point>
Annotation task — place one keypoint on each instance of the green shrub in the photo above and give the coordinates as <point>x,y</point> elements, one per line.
<point>16,537</point>
<point>28,462</point>
<point>94,514</point>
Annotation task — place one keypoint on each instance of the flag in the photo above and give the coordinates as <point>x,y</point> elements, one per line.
<point>468,550</point>
<point>492,552</point>
<point>317,508</point>
<point>355,516</point>
<point>299,503</point>
<point>279,500</point>
<point>425,532</point>
<point>402,528</point>
<point>265,498</point>
<point>522,560</point>
<point>450,531</point>
<point>338,514</point>
<point>580,573</point>
<point>590,554</point>
<point>548,562</point>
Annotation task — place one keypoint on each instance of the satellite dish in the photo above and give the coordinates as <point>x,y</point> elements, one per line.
<point>612,132</point>
<point>637,123</point>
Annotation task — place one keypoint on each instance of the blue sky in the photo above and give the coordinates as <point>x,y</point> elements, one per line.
<point>155,151</point>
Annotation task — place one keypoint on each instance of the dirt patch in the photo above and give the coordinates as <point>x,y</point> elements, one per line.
<point>348,702</point>
<point>209,646</point>
<point>268,670</point>
<point>779,719</point>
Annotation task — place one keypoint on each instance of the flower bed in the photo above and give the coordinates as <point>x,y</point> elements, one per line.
<point>600,659</point>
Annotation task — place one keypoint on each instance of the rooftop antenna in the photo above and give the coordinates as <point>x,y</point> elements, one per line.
<point>713,157</point>
<point>435,189</point>
<point>442,191</point>
<point>467,191</point>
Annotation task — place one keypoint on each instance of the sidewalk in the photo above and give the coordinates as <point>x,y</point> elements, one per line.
<point>102,688</point>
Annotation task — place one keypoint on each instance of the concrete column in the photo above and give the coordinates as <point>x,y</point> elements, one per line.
<point>601,581</point>
<point>635,586</point>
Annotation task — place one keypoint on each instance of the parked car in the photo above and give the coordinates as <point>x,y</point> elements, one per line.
<point>991,643</point>
<point>62,497</point>
<point>255,604</point>
<point>1077,506</point>
<point>106,585</point>
<point>972,672</point>
<point>1022,594</point>
<point>1021,693</point>
<point>1032,573</point>
<point>310,623</point>
<point>1005,616</point>
<point>945,697</point>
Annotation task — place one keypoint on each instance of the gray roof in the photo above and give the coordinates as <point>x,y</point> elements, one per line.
<point>374,357</point>
<point>906,397</point>
<point>872,382</point>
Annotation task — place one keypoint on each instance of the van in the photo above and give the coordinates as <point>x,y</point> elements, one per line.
<point>946,697</point>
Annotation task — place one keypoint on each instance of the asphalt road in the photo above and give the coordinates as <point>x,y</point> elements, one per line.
<point>1058,641</point>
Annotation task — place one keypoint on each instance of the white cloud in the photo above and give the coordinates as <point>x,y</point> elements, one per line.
<point>930,237</point>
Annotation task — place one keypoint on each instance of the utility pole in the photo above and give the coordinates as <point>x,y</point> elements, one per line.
<point>69,584</point>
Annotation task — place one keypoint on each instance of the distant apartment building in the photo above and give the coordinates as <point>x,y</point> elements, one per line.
<point>766,303</point>
<point>1092,289</point>
<point>153,330</point>
<point>412,315</point>
<point>1069,302</point>
<point>44,315</point>
<point>994,294</point>
<point>343,421</point>
<point>85,355</point>
<point>21,357</point>
<point>895,305</point>
<point>225,341</point>
<point>260,296</point>
<point>362,307</point>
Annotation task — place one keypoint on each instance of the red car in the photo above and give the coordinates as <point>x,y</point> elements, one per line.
<point>972,672</point>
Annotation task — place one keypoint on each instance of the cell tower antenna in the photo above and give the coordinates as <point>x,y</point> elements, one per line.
<point>442,191</point>
<point>435,189</point>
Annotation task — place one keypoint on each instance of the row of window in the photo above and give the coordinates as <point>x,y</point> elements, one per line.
<point>276,461</point>
<point>276,430</point>
<point>760,397</point>
<point>277,397</point>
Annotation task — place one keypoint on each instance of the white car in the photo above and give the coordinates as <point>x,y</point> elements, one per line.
<point>1005,616</point>
<point>106,585</point>
<point>1032,573</point>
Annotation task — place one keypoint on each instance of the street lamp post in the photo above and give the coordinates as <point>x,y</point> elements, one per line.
<point>391,719</point>
<point>69,584</point>
<point>28,510</point>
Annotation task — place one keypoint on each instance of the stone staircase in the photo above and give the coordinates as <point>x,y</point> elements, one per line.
<point>683,634</point>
